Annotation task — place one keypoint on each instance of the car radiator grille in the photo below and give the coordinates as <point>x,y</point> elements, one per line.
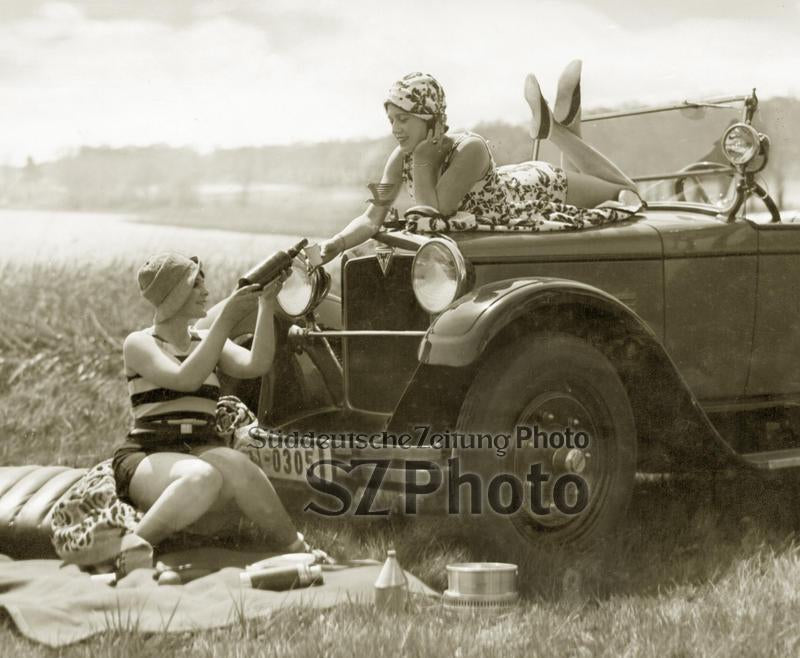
<point>377,368</point>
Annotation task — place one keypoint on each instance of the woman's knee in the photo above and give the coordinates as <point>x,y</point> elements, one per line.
<point>230,462</point>
<point>202,477</point>
<point>158,472</point>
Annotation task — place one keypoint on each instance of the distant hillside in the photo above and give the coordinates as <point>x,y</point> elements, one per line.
<point>160,176</point>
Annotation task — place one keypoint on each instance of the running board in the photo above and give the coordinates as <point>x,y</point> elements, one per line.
<point>774,459</point>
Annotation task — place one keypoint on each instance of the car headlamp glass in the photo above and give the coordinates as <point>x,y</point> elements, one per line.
<point>303,290</point>
<point>740,144</point>
<point>439,275</point>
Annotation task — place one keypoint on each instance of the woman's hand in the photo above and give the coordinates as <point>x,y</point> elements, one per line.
<point>431,150</point>
<point>368,223</point>
<point>240,362</point>
<point>270,292</point>
<point>330,249</point>
<point>240,303</point>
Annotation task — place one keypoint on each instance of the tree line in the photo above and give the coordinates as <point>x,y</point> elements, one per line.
<point>159,175</point>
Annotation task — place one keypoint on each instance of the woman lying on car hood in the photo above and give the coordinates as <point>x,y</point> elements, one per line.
<point>455,172</point>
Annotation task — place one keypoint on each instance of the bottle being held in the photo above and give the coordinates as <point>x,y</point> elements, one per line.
<point>391,587</point>
<point>269,269</point>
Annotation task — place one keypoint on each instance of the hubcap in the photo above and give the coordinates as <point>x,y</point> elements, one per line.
<point>566,441</point>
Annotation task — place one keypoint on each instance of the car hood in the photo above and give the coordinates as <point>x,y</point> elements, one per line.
<point>654,234</point>
<point>638,239</point>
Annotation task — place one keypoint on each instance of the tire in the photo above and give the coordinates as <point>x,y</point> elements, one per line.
<point>554,379</point>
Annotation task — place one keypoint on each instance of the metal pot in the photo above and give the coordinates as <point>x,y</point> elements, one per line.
<point>481,585</point>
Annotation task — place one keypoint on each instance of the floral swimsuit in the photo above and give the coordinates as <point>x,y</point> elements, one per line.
<point>529,196</point>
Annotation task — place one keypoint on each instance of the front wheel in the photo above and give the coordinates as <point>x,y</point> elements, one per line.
<point>572,448</point>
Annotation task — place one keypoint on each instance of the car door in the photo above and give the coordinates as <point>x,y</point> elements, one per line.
<point>775,361</point>
<point>710,272</point>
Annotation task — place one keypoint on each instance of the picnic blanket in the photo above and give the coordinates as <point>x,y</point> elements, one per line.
<point>57,604</point>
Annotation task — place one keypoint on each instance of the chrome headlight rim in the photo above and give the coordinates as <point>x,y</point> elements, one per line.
<point>319,282</point>
<point>463,269</point>
<point>741,162</point>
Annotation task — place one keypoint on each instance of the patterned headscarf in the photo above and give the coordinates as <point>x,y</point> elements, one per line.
<point>419,94</point>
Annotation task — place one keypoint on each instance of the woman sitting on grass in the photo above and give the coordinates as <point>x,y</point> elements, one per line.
<point>456,172</point>
<point>173,466</point>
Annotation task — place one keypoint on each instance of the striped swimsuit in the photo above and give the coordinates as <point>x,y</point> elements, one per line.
<point>165,420</point>
<point>151,403</point>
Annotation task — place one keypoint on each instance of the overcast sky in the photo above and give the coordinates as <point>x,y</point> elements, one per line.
<point>209,73</point>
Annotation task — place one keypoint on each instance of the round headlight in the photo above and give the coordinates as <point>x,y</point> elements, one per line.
<point>303,290</point>
<point>740,144</point>
<point>439,275</point>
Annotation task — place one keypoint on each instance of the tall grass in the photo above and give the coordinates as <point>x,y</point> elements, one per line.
<point>704,565</point>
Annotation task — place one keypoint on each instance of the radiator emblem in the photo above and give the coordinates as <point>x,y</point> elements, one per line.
<point>384,256</point>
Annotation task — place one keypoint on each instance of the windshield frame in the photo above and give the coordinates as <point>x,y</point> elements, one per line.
<point>747,104</point>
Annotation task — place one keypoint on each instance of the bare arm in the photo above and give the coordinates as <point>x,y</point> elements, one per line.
<point>242,363</point>
<point>363,227</point>
<point>467,167</point>
<point>143,356</point>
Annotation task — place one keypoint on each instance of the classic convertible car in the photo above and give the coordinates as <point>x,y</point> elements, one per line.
<point>666,342</point>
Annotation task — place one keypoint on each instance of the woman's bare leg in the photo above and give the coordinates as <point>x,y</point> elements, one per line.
<point>586,159</point>
<point>588,191</point>
<point>175,490</point>
<point>566,163</point>
<point>253,493</point>
<point>223,516</point>
<point>583,157</point>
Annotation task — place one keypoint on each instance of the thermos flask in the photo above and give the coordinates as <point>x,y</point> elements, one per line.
<point>281,578</point>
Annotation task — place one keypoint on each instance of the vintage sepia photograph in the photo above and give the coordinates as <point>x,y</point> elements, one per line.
<point>448,328</point>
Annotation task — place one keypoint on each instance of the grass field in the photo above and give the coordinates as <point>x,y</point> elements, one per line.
<point>702,565</point>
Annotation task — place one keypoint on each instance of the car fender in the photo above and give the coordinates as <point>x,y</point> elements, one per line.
<point>329,312</point>
<point>460,334</point>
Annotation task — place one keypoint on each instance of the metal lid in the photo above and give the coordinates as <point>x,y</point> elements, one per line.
<point>469,567</point>
<point>482,579</point>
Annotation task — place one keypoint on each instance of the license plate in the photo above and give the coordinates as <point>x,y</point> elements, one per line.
<point>291,463</point>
